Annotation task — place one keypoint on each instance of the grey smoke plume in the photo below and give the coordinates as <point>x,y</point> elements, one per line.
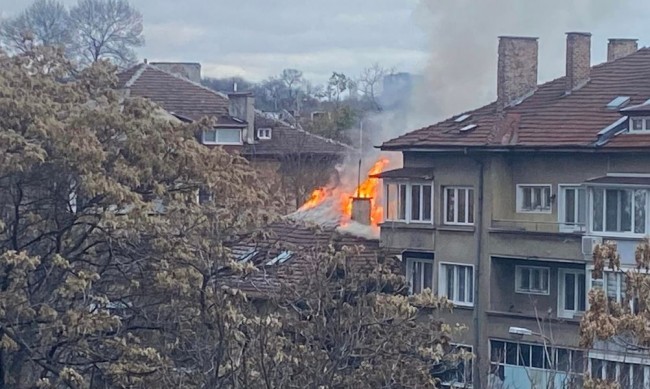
<point>461,72</point>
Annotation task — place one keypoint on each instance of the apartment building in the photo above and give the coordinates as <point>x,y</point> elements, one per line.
<point>499,209</point>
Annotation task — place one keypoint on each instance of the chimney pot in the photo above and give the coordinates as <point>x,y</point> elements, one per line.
<point>578,60</point>
<point>361,209</point>
<point>516,70</point>
<point>621,47</point>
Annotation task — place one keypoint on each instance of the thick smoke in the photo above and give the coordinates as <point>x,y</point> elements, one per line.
<point>461,71</point>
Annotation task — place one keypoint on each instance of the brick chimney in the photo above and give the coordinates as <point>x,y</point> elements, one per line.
<point>242,106</point>
<point>621,47</point>
<point>361,208</point>
<point>189,70</point>
<point>516,69</point>
<point>578,60</point>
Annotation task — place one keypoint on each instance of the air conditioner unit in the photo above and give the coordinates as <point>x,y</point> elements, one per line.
<point>588,244</point>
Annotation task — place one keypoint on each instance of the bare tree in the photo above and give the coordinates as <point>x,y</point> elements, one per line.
<point>369,81</point>
<point>45,22</point>
<point>106,29</point>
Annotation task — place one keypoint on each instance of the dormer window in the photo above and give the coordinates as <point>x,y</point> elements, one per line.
<point>263,133</point>
<point>638,124</point>
<point>222,136</point>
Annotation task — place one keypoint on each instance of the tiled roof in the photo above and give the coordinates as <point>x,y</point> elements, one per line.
<point>549,118</point>
<point>175,94</point>
<point>190,101</point>
<point>287,139</point>
<point>299,242</point>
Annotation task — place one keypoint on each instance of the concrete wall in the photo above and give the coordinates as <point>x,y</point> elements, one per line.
<point>495,284</point>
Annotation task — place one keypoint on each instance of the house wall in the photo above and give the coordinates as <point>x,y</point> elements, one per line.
<point>495,284</point>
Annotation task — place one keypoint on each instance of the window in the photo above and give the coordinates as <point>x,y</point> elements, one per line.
<point>534,198</point>
<point>222,136</point>
<point>457,283</point>
<point>409,202</point>
<point>263,133</point>
<point>534,356</point>
<point>459,206</point>
<point>572,291</point>
<point>615,286</point>
<point>619,210</point>
<point>419,271</point>
<point>532,279</point>
<point>638,124</point>
<point>572,208</point>
<point>458,372</point>
<point>630,375</point>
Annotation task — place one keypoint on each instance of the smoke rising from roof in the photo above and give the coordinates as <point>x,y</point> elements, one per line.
<point>461,71</point>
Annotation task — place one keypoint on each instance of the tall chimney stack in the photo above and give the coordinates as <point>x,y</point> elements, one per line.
<point>242,106</point>
<point>621,47</point>
<point>516,69</point>
<point>578,60</point>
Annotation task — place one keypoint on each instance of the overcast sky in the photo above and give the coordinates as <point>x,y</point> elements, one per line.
<point>258,38</point>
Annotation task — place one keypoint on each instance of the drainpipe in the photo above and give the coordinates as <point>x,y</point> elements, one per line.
<point>476,373</point>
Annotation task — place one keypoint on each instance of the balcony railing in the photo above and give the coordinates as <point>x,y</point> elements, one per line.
<point>537,226</point>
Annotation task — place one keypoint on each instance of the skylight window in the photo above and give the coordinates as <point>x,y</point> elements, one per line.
<point>618,102</point>
<point>468,127</point>
<point>462,118</point>
<point>281,258</point>
<point>247,256</point>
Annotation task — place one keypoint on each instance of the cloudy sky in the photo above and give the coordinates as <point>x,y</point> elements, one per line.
<point>447,40</point>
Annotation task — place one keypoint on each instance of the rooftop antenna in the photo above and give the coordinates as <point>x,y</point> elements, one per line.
<point>360,156</point>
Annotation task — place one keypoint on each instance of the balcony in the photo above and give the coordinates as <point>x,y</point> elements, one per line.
<point>537,226</point>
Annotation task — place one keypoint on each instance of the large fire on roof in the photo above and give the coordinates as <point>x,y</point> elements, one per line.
<point>332,206</point>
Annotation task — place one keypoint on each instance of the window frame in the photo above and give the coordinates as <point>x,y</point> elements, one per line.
<point>262,130</point>
<point>561,208</point>
<point>519,268</point>
<point>617,234</point>
<point>443,282</point>
<point>408,204</point>
<point>520,198</point>
<point>561,311</point>
<point>469,194</point>
<point>410,265</point>
<point>216,141</point>
<point>645,120</point>
<point>602,284</point>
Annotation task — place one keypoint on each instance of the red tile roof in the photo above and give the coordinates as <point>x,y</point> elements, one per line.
<point>549,118</point>
<point>175,94</point>
<point>304,242</point>
<point>190,101</point>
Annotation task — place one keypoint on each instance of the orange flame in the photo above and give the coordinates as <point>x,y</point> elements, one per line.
<point>369,188</point>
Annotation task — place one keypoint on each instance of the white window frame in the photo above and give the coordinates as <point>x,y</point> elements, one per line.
<point>561,311</point>
<point>410,265</point>
<point>645,121</point>
<point>264,133</point>
<point>408,213</point>
<point>575,227</point>
<point>469,281</point>
<point>619,361</point>
<point>520,198</point>
<point>615,234</point>
<point>601,283</point>
<point>518,270</point>
<point>217,142</point>
<point>469,193</point>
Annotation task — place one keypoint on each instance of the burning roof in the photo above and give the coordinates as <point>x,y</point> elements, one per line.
<point>333,206</point>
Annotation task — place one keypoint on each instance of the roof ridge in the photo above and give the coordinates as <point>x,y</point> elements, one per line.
<point>188,81</point>
<point>135,75</point>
